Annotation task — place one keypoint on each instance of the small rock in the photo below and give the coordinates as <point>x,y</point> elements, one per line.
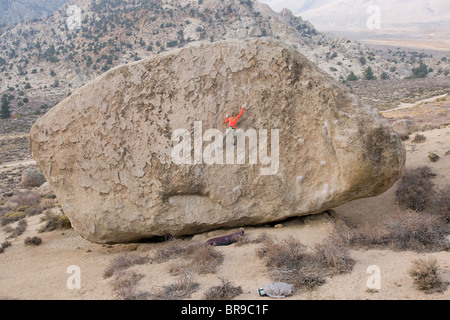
<point>279,225</point>
<point>433,156</point>
<point>447,153</point>
<point>404,126</point>
<point>44,189</point>
<point>32,178</point>
<point>154,254</point>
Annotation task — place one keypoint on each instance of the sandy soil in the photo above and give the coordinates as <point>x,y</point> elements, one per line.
<point>40,272</point>
<point>442,45</point>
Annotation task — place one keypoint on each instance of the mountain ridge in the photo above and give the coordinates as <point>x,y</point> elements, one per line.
<point>47,58</point>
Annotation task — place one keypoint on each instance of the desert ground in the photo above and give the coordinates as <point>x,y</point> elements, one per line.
<point>41,271</point>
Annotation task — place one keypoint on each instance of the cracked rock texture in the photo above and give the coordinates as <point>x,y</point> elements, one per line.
<point>106,150</point>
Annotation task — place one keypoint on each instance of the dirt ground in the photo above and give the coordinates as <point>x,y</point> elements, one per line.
<point>40,272</point>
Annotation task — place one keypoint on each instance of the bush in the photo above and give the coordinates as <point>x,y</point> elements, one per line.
<point>290,261</point>
<point>352,77</point>
<point>368,74</point>
<point>11,217</point>
<point>5,244</point>
<point>21,227</point>
<point>404,136</point>
<point>415,188</point>
<point>426,276</point>
<point>32,211</point>
<point>27,199</point>
<point>421,71</point>
<point>124,285</point>
<point>367,236</point>
<point>441,204</point>
<point>55,222</point>
<point>411,230</point>
<point>407,230</point>
<point>172,43</point>
<point>224,291</point>
<point>34,241</point>
<point>199,257</point>
<point>124,261</point>
<point>183,288</point>
<point>419,138</point>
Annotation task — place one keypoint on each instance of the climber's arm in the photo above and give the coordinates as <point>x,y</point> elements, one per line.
<point>240,113</point>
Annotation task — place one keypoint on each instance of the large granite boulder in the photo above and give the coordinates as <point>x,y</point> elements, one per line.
<point>138,152</point>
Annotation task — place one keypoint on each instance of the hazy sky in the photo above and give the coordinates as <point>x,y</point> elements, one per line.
<point>353,14</point>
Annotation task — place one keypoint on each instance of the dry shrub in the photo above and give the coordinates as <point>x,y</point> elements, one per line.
<point>425,273</point>
<point>27,199</point>
<point>19,229</point>
<point>441,203</point>
<point>224,291</point>
<point>245,239</point>
<point>408,230</point>
<point>11,217</point>
<point>411,230</point>
<point>334,256</point>
<point>205,259</point>
<point>54,222</point>
<point>181,289</point>
<point>34,210</point>
<point>5,209</point>
<point>170,249</point>
<point>419,138</point>
<point>430,126</point>
<point>198,257</point>
<point>290,261</point>
<point>124,285</point>
<point>124,261</point>
<point>5,244</point>
<point>404,136</point>
<point>416,188</point>
<point>34,241</point>
<point>285,254</point>
<point>366,236</point>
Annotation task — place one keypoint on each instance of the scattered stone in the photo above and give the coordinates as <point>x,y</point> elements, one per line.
<point>404,126</point>
<point>433,156</point>
<point>32,178</point>
<point>45,190</point>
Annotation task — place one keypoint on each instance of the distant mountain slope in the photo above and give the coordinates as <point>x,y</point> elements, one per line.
<point>13,11</point>
<point>50,57</point>
<point>405,18</point>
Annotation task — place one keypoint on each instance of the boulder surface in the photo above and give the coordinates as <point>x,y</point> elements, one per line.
<point>137,153</point>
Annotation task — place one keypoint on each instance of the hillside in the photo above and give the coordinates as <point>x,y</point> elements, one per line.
<point>43,61</point>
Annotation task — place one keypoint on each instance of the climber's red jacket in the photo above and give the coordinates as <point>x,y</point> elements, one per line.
<point>232,121</point>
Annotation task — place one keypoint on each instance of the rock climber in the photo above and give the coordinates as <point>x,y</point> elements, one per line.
<point>232,123</point>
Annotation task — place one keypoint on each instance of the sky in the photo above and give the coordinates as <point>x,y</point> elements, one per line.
<point>428,17</point>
